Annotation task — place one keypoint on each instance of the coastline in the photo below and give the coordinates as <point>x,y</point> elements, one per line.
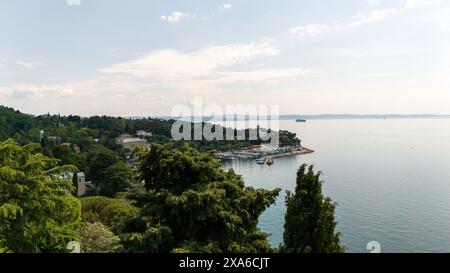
<point>301,151</point>
<point>264,156</point>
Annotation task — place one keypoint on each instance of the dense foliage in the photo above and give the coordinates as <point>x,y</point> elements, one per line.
<point>112,213</point>
<point>191,204</point>
<point>108,172</point>
<point>14,124</point>
<point>37,211</point>
<point>98,238</point>
<point>310,226</point>
<point>176,199</point>
<point>287,138</point>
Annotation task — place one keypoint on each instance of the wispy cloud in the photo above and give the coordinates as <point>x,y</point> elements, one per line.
<point>73,2</point>
<point>308,30</point>
<point>174,17</point>
<point>373,16</point>
<point>206,71</point>
<point>420,3</point>
<point>373,2</point>
<point>29,65</point>
<point>178,16</point>
<point>23,91</point>
<point>225,7</point>
<point>362,18</point>
<point>172,65</point>
<point>261,75</point>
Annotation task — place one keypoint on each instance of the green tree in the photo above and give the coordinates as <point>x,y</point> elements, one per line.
<point>98,238</point>
<point>309,222</point>
<point>37,211</point>
<point>68,157</point>
<point>202,207</point>
<point>110,212</point>
<point>98,160</point>
<point>116,178</point>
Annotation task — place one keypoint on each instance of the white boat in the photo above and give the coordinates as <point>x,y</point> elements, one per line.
<point>260,161</point>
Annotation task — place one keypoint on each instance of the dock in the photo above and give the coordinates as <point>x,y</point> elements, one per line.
<point>264,157</point>
<point>300,151</point>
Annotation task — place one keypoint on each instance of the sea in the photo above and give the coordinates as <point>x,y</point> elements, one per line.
<point>390,179</point>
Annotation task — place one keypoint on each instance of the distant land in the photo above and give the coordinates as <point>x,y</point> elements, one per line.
<point>322,117</point>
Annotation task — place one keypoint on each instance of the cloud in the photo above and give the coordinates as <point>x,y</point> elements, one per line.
<point>415,3</point>
<point>175,17</point>
<point>22,94</point>
<point>22,91</point>
<point>372,16</point>
<point>172,65</point>
<point>308,30</point>
<point>86,88</point>
<point>225,7</point>
<point>261,75</point>
<point>373,2</point>
<point>29,65</point>
<point>410,4</point>
<point>179,75</point>
<point>178,16</point>
<point>66,92</point>
<point>73,2</point>
<point>205,72</point>
<point>361,18</point>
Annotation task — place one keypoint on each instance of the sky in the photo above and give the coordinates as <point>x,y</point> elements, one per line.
<point>144,57</point>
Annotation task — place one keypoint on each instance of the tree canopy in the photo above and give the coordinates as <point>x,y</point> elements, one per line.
<point>309,222</point>
<point>185,203</point>
<point>98,238</point>
<point>37,211</point>
<point>110,212</point>
<point>191,204</point>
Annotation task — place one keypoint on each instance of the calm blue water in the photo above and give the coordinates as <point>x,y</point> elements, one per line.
<point>390,178</point>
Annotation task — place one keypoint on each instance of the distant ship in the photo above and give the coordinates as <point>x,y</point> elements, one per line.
<point>269,161</point>
<point>300,120</point>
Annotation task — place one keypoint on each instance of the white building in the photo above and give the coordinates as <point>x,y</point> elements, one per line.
<point>142,133</point>
<point>130,142</point>
<point>80,181</point>
<point>83,187</point>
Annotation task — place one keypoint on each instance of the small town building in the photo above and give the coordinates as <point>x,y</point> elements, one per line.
<point>129,142</point>
<point>83,187</point>
<point>142,133</point>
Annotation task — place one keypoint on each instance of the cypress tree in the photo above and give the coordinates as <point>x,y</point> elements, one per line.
<point>309,222</point>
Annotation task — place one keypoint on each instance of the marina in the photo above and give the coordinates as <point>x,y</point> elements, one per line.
<point>264,154</point>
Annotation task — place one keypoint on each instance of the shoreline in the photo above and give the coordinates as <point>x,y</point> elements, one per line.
<point>255,152</point>
<point>302,151</point>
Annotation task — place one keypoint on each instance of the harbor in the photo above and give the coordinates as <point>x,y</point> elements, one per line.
<point>264,154</point>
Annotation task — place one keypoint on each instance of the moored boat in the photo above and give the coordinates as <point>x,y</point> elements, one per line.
<point>260,161</point>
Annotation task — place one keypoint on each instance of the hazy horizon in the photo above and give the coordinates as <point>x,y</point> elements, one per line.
<point>282,116</point>
<point>103,57</point>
